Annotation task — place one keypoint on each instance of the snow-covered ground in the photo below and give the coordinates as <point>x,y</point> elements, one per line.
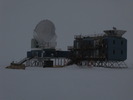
<point>68,83</point>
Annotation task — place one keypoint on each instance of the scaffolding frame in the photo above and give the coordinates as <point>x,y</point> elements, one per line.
<point>105,64</point>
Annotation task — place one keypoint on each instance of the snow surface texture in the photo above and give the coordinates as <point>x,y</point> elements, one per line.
<point>69,83</point>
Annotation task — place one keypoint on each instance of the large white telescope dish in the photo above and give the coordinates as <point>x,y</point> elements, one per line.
<point>44,34</point>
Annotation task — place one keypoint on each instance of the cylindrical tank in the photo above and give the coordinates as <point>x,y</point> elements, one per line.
<point>44,34</point>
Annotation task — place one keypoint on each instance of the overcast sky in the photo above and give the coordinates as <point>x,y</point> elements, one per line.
<point>18,19</point>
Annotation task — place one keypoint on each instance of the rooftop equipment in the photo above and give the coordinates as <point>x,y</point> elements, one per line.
<point>114,32</point>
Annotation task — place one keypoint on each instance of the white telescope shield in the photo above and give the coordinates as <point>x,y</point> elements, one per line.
<point>44,34</point>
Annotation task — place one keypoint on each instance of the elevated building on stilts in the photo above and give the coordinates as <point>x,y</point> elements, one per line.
<point>102,50</point>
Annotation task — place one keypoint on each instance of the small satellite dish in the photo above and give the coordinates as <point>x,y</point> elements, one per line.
<point>44,34</point>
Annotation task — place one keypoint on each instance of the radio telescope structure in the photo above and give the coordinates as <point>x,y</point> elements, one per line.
<point>44,35</point>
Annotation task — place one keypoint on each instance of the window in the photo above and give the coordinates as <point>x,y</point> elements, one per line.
<point>113,52</point>
<point>103,51</point>
<point>121,42</point>
<point>89,42</point>
<point>113,41</point>
<point>121,52</point>
<point>77,45</point>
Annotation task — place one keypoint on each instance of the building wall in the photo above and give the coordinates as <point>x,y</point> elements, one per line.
<point>116,48</point>
<point>48,53</point>
<point>109,48</point>
<point>83,47</point>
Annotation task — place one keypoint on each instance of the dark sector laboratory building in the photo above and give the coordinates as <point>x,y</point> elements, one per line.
<point>98,50</point>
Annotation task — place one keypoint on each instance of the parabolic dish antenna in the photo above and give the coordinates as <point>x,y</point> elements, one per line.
<point>44,34</point>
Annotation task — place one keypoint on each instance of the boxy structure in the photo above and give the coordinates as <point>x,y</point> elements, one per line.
<point>47,58</point>
<point>106,50</point>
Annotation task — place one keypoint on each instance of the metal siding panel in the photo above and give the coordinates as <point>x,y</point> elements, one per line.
<point>62,54</point>
<point>117,47</point>
<point>29,54</point>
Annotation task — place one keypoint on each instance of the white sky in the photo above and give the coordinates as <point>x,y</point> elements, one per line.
<point>18,19</point>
